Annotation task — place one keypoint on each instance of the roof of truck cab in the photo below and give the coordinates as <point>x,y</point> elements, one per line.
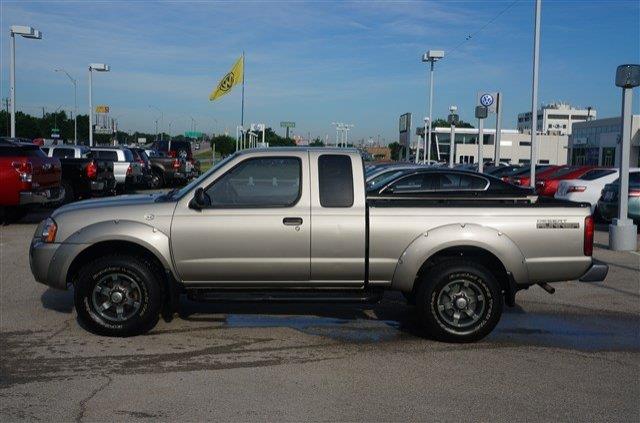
<point>333,150</point>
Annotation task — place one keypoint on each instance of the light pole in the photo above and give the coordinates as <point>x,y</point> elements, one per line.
<point>75,104</point>
<point>622,232</point>
<point>161,122</point>
<point>481,115</point>
<point>26,32</point>
<point>98,67</point>
<point>452,118</point>
<point>431,56</point>
<point>338,126</point>
<point>346,128</point>
<point>534,95</point>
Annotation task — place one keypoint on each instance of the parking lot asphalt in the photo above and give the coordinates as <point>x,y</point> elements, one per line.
<point>572,356</point>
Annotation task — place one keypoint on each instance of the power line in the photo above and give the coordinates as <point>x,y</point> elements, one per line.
<point>489,22</point>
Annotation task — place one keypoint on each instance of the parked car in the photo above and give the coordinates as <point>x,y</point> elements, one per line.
<point>176,149</point>
<point>588,187</point>
<point>294,224</point>
<point>180,150</point>
<point>141,157</point>
<point>167,171</point>
<point>28,177</point>
<point>378,175</point>
<point>523,177</point>
<point>82,175</point>
<point>548,185</point>
<point>127,171</point>
<point>500,171</point>
<point>447,184</point>
<point>608,202</point>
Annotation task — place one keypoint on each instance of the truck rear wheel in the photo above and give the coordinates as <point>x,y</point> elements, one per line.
<point>118,295</point>
<point>459,301</point>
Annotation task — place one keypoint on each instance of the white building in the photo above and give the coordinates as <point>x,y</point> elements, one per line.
<point>597,142</point>
<point>555,119</point>
<point>515,147</point>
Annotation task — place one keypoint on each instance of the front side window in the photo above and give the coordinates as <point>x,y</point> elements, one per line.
<point>259,182</point>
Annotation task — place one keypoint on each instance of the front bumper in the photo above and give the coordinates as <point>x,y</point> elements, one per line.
<point>41,197</point>
<point>50,262</point>
<point>596,273</point>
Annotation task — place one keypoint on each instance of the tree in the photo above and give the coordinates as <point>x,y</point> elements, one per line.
<point>442,123</point>
<point>396,149</point>
<point>316,143</point>
<point>223,144</point>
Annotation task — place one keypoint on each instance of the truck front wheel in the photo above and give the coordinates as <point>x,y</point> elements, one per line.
<point>459,301</point>
<point>118,295</point>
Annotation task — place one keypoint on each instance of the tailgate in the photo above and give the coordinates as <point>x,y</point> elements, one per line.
<point>105,169</point>
<point>46,172</point>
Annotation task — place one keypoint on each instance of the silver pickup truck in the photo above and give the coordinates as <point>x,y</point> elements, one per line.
<point>294,224</point>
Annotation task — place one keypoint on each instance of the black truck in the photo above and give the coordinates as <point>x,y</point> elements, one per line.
<point>83,176</point>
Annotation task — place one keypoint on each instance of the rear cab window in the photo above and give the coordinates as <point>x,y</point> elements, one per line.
<point>335,178</point>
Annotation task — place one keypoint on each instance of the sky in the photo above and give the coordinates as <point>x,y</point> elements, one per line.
<point>315,63</point>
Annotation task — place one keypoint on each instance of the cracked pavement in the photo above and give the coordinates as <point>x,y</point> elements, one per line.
<point>571,356</point>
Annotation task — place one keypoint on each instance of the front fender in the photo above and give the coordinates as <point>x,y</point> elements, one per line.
<point>458,235</point>
<point>146,236</point>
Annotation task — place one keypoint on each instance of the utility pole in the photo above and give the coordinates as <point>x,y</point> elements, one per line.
<point>534,94</point>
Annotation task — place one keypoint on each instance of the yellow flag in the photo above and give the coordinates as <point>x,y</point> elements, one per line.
<point>234,77</point>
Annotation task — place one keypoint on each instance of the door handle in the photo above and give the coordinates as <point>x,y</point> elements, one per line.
<point>292,221</point>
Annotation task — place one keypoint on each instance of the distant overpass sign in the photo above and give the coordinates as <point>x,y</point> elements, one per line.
<point>192,134</point>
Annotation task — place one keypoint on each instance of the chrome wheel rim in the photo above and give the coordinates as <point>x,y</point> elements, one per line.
<point>461,303</point>
<point>116,297</point>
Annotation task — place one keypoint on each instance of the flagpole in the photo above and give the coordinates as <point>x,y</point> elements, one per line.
<point>242,114</point>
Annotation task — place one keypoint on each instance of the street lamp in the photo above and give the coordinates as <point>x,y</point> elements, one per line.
<point>431,56</point>
<point>98,67</point>
<point>622,232</point>
<point>75,101</point>
<point>161,122</point>
<point>26,32</point>
<point>534,95</point>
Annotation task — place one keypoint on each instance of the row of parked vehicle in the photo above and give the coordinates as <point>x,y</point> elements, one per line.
<point>62,173</point>
<point>597,186</point>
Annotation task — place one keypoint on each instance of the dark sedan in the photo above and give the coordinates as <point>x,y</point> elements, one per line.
<point>449,183</point>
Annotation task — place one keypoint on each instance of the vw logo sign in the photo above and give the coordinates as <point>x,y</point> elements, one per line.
<point>486,100</point>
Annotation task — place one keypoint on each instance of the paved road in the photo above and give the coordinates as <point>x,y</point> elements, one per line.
<point>571,356</point>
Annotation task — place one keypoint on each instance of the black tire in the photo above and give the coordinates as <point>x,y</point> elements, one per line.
<point>69,194</point>
<point>148,295</point>
<point>157,179</point>
<point>479,292</point>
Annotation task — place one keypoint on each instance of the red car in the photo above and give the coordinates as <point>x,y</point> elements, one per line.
<point>28,178</point>
<point>523,178</point>
<point>548,186</point>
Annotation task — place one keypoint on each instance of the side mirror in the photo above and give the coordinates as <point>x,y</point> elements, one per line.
<point>198,201</point>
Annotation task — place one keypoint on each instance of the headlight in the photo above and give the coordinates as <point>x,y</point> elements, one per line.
<point>49,229</point>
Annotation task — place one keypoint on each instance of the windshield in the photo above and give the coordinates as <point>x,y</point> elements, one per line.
<point>596,174</point>
<point>179,193</point>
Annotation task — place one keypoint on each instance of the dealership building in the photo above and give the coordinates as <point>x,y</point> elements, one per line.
<point>555,118</point>
<point>515,147</point>
<point>597,142</point>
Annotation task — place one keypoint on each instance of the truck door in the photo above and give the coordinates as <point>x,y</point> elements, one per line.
<point>338,233</point>
<point>257,228</point>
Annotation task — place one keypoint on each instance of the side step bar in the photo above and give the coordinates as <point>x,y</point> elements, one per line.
<point>286,296</point>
